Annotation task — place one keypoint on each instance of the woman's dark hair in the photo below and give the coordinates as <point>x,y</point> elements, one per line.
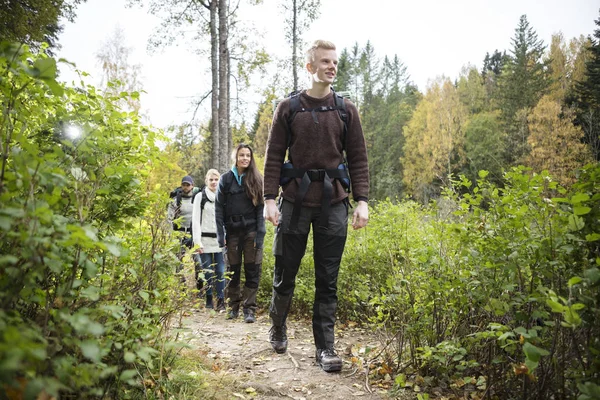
<point>253,179</point>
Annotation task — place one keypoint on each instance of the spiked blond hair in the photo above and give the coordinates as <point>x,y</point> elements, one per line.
<point>318,44</point>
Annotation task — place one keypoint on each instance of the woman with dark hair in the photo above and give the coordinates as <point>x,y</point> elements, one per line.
<point>241,227</point>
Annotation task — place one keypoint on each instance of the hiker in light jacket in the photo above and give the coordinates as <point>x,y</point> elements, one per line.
<point>210,264</point>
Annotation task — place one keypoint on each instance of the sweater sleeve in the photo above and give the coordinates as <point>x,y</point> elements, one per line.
<point>196,223</point>
<point>276,149</point>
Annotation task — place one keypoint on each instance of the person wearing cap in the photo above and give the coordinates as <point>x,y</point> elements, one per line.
<point>180,214</point>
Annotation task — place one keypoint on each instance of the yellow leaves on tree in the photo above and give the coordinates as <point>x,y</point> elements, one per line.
<point>555,142</point>
<point>434,137</point>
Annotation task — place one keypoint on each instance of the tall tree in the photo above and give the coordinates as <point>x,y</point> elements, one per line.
<point>224,104</point>
<point>587,92</point>
<point>560,74</point>
<point>484,146</point>
<point>490,73</point>
<point>118,74</point>
<point>263,120</point>
<point>471,90</point>
<point>345,74</point>
<point>555,142</point>
<point>191,155</point>
<point>298,16</point>
<point>434,146</point>
<point>35,21</point>
<point>177,16</point>
<point>523,82</point>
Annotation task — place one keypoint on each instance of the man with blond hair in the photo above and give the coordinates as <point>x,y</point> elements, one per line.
<point>315,128</point>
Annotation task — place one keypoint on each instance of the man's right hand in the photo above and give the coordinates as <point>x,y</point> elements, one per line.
<point>271,212</point>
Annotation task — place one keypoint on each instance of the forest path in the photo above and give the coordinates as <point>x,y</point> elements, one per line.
<point>242,352</point>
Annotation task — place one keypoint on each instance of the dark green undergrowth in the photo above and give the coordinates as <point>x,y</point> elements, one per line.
<point>89,303</point>
<point>490,290</point>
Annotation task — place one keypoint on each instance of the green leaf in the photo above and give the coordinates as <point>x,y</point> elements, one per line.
<point>90,350</point>
<point>145,353</point>
<point>91,292</point>
<point>5,223</point>
<point>129,357</point>
<point>534,353</point>
<point>574,281</point>
<point>113,248</point>
<point>506,335</point>
<point>8,259</point>
<point>592,237</point>
<point>592,274</point>
<point>555,306</point>
<point>128,374</point>
<point>575,223</point>
<point>581,210</point>
<point>46,67</point>
<point>579,197</point>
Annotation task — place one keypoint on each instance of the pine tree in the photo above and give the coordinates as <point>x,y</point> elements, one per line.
<point>587,92</point>
<point>524,80</point>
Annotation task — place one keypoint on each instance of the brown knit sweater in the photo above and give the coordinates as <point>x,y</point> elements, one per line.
<point>316,146</point>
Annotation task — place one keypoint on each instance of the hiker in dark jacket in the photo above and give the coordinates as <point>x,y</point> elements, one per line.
<point>314,197</point>
<point>241,229</point>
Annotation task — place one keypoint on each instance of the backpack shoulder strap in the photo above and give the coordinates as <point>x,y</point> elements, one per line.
<point>340,104</point>
<point>295,107</point>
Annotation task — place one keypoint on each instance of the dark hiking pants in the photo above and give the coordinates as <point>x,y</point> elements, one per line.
<point>289,248</point>
<point>240,246</point>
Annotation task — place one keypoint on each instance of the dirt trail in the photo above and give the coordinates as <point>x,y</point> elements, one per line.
<point>243,352</point>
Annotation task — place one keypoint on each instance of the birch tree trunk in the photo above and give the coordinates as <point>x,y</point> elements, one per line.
<point>214,100</point>
<point>295,44</point>
<point>223,87</point>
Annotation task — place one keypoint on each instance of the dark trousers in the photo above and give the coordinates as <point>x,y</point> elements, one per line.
<point>240,249</point>
<point>289,248</point>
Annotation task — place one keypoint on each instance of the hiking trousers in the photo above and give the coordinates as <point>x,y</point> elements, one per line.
<point>289,248</point>
<point>240,248</point>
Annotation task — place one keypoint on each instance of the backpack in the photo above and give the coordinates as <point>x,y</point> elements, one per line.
<point>177,194</point>
<point>288,172</point>
<point>296,107</point>
<point>203,201</point>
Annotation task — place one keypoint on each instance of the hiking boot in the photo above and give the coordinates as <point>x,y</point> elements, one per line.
<point>249,316</point>
<point>278,338</point>
<point>220,305</point>
<point>329,360</point>
<point>209,302</point>
<point>233,314</point>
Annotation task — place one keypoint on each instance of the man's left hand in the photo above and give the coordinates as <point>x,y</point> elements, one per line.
<point>361,215</point>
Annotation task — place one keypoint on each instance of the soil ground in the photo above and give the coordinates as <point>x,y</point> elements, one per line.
<point>243,353</point>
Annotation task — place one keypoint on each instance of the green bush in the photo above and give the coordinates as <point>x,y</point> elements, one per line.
<point>87,291</point>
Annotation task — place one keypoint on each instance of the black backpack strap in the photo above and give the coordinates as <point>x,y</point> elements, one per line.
<point>324,175</point>
<point>203,202</point>
<point>295,107</point>
<point>340,104</point>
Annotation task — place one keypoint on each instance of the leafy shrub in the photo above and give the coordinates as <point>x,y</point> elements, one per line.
<point>87,292</point>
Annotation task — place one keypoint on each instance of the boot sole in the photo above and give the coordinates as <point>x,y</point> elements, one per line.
<point>279,351</point>
<point>331,367</point>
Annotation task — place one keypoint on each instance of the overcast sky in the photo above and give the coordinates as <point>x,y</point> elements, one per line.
<point>431,38</point>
